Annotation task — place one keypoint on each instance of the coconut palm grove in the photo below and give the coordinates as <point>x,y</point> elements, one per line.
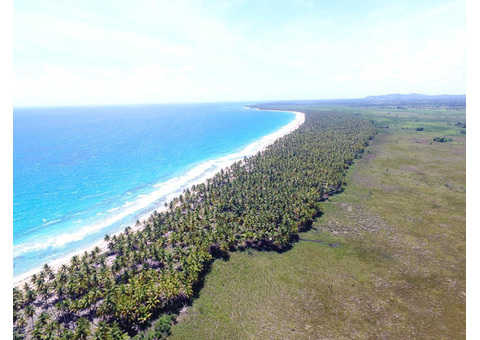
<point>135,287</point>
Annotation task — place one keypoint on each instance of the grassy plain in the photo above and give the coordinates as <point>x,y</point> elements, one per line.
<point>385,260</point>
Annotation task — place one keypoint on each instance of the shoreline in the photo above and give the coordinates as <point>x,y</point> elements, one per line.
<point>251,149</point>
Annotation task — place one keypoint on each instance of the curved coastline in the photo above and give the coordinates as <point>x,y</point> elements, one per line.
<point>198,175</point>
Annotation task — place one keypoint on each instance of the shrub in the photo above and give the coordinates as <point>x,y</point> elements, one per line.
<point>442,139</point>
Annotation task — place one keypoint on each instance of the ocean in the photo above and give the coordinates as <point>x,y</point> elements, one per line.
<point>80,173</point>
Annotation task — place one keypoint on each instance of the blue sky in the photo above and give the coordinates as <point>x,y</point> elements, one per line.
<point>120,52</point>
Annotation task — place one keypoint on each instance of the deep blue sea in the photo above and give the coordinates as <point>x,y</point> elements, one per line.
<point>82,172</point>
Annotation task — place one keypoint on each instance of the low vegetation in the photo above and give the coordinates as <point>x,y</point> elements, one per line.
<point>442,139</point>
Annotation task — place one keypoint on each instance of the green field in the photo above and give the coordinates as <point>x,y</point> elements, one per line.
<point>385,260</point>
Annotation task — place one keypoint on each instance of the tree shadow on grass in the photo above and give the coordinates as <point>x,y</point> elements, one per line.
<point>175,307</point>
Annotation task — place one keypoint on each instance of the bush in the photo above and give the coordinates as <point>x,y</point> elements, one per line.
<point>442,139</point>
<point>161,329</point>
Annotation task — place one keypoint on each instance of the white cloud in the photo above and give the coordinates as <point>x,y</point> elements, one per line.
<point>180,51</point>
<point>434,68</point>
<point>99,86</point>
<point>392,49</point>
<point>155,73</point>
<point>342,77</point>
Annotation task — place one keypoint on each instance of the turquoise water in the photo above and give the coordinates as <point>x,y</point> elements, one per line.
<point>82,172</point>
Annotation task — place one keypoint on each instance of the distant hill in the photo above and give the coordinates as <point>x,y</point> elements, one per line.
<point>398,101</point>
<point>415,97</point>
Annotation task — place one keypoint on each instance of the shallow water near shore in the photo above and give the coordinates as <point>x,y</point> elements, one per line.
<point>83,172</point>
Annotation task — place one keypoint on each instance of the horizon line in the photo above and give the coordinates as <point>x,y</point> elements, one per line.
<point>231,101</point>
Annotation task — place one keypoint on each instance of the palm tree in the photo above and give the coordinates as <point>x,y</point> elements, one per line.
<point>33,278</point>
<point>40,281</point>
<point>53,330</point>
<point>65,308</point>
<point>74,263</point>
<point>93,296</point>
<point>42,320</point>
<point>66,334</point>
<point>30,296</point>
<point>45,294</point>
<point>94,253</point>
<point>20,323</point>
<point>18,335</point>
<point>103,311</point>
<point>29,312</point>
<point>48,272</point>
<point>109,331</point>
<point>18,299</point>
<point>83,329</point>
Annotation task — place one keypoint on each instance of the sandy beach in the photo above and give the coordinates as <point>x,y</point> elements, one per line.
<point>219,164</point>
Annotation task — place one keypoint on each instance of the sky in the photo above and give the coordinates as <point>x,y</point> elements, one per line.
<point>139,52</point>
